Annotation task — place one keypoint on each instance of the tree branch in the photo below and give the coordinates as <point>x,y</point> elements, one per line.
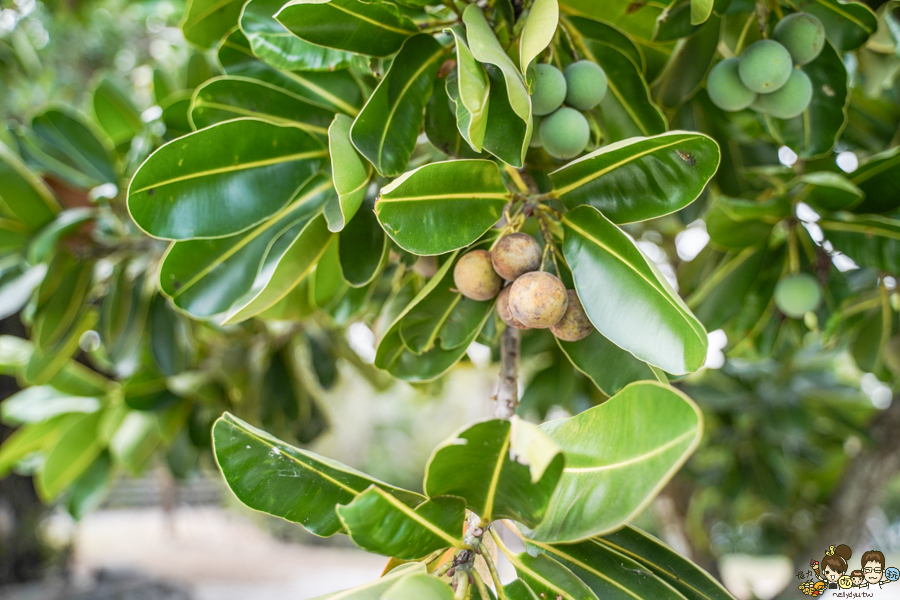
<point>508,386</point>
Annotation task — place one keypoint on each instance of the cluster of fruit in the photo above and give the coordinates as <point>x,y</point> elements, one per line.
<point>813,588</point>
<point>763,77</point>
<point>797,294</point>
<point>533,299</point>
<point>562,130</point>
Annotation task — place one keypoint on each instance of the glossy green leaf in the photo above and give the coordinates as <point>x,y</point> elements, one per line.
<point>378,522</point>
<point>441,123</point>
<point>603,32</point>
<point>336,90</point>
<point>375,589</point>
<point>419,587</point>
<point>871,241</point>
<point>504,470</point>
<point>626,298</point>
<point>176,116</point>
<point>609,367</point>
<point>676,22</point>
<point>548,578</point>
<point>829,191</point>
<point>693,582</point>
<point>847,24</point>
<point>362,246</point>
<point>468,88</point>
<point>688,65</point>
<point>442,206</point>
<point>39,403</point>
<point>815,132</point>
<point>876,178</point>
<point>638,439</point>
<point>197,186</point>
<point>207,21</point>
<point>270,476</point>
<point>67,146</point>
<point>700,11</point>
<point>115,112</point>
<point>540,25</point>
<point>636,20</point>
<point>71,456</point>
<point>205,277</point>
<point>275,280</point>
<point>736,223</point>
<point>519,590</point>
<point>276,46</point>
<point>23,196</point>
<point>640,178</point>
<point>386,129</point>
<point>722,294</point>
<point>507,136</point>
<point>225,98</point>
<point>374,29</point>
<point>349,171</point>
<point>326,281</point>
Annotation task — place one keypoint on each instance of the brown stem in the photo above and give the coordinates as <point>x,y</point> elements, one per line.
<point>508,387</point>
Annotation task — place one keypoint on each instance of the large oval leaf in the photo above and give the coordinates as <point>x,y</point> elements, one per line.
<point>65,144</point>
<point>350,172</point>
<point>386,129</point>
<point>609,367</point>
<point>442,206</point>
<point>374,29</point>
<point>640,178</point>
<point>23,196</point>
<point>223,179</point>
<point>504,470</point>
<point>469,89</point>
<point>76,449</point>
<point>686,69</point>
<point>206,21</point>
<point>273,477</point>
<point>626,298</point>
<point>639,438</point>
<point>540,25</point>
<point>418,587</point>
<point>362,246</point>
<point>549,578</point>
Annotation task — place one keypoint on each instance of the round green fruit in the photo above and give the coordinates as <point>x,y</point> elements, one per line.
<point>474,276</point>
<point>538,299</point>
<point>797,294</point>
<point>503,309</point>
<point>765,66</point>
<point>586,84</point>
<point>549,89</point>
<point>802,34</point>
<point>516,254</point>
<point>565,133</point>
<point>725,88</point>
<point>575,324</point>
<point>791,100</point>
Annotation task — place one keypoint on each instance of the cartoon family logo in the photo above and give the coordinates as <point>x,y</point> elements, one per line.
<point>832,572</point>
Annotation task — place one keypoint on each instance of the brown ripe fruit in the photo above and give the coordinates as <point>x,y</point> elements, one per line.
<point>515,255</point>
<point>474,276</point>
<point>575,324</point>
<point>504,311</point>
<point>538,299</point>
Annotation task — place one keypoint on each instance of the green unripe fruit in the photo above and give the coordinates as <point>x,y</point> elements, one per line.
<point>765,66</point>
<point>802,34</point>
<point>503,309</point>
<point>516,254</point>
<point>565,133</point>
<point>549,89</point>
<point>575,324</point>
<point>791,100</point>
<point>538,299</point>
<point>474,276</point>
<point>586,82</point>
<point>797,294</point>
<point>725,88</point>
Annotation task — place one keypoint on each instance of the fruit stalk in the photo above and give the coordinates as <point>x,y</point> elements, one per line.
<point>508,386</point>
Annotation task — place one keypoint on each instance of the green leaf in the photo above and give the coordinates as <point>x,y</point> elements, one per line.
<point>276,279</point>
<point>608,573</point>
<point>736,223</point>
<point>639,21</point>
<point>847,24</point>
<point>386,129</point>
<point>40,403</point>
<point>640,178</point>
<point>378,522</point>
<point>362,246</point>
<point>519,590</point>
<point>16,292</point>
<point>43,245</point>
<point>724,291</point>
<point>829,191</point>
<point>197,186</point>
<point>609,367</point>
<point>23,196</point>
<point>626,298</point>
<point>540,25</point>
<point>548,578</point>
<point>871,241</point>
<point>688,65</point>
<point>441,123</point>
<point>507,136</point>
<point>814,133</point>
<point>469,90</point>
<point>442,206</point>
<point>71,456</point>
<point>504,469</point>
<point>604,33</point>
<point>61,300</point>
<point>376,29</point>
<point>700,11</point>
<point>31,438</point>
<point>278,47</point>
<point>375,589</point>
<point>639,438</point>
<point>876,178</point>
<point>90,489</point>
<point>67,146</point>
<point>230,97</point>
<point>176,117</point>
<point>207,21</point>
<point>419,586</point>
<point>683,575</point>
<point>43,365</point>
<point>270,476</point>
<point>135,440</point>
<point>169,338</point>
<point>115,112</point>
<point>206,277</point>
<point>350,172</point>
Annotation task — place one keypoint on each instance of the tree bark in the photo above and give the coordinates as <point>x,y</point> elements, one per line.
<point>508,387</point>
